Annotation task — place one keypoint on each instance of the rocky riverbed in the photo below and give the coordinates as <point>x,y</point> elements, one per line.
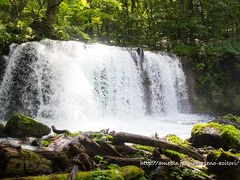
<point>32,150</point>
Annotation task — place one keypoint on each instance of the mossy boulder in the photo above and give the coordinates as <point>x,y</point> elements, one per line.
<point>1,130</point>
<point>123,173</point>
<point>22,163</point>
<point>216,135</point>
<point>225,164</point>
<point>23,126</point>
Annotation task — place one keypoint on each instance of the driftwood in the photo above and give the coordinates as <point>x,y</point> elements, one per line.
<point>73,174</point>
<point>100,148</point>
<point>122,137</point>
<point>123,161</point>
<point>57,131</point>
<point>126,150</point>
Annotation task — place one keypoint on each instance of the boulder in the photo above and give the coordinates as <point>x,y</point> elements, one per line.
<point>18,162</point>
<point>216,135</point>
<point>224,164</point>
<point>23,126</point>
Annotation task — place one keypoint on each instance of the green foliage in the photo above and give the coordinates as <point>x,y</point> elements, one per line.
<point>184,173</point>
<point>77,133</point>
<point>45,143</point>
<point>123,173</point>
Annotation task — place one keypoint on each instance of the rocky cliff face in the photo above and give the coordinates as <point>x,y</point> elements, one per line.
<point>2,66</point>
<point>221,99</point>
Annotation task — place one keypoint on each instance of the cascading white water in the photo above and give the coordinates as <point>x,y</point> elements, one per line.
<point>82,86</point>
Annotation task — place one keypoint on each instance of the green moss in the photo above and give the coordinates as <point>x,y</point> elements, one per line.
<point>174,155</point>
<point>24,119</point>
<point>123,173</point>
<point>131,172</point>
<point>99,136</point>
<point>229,134</point>
<point>45,143</point>
<point>96,135</point>
<point>28,163</point>
<point>199,128</point>
<point>220,151</point>
<point>145,148</point>
<point>77,133</point>
<point>177,140</point>
<point>23,126</point>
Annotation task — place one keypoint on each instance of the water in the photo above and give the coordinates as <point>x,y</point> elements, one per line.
<point>89,87</point>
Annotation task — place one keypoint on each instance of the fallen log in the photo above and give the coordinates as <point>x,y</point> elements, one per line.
<point>125,149</point>
<point>57,131</point>
<point>123,161</point>
<point>100,148</point>
<point>60,161</point>
<point>123,137</point>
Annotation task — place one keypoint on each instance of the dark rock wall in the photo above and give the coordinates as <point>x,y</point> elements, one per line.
<point>217,101</point>
<point>2,66</point>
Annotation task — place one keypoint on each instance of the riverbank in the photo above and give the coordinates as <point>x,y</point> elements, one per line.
<point>212,147</point>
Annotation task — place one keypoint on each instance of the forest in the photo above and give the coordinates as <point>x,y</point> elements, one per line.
<point>120,89</point>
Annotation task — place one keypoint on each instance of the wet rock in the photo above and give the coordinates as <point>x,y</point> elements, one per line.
<point>215,135</point>
<point>225,164</point>
<point>1,130</point>
<point>23,126</point>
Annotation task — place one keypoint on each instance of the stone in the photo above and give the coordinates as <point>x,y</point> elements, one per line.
<point>215,135</point>
<point>23,126</point>
<point>224,164</point>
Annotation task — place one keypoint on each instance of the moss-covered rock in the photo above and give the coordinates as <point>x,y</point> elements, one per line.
<point>123,173</point>
<point>216,135</point>
<point>22,163</point>
<point>225,164</point>
<point>23,126</point>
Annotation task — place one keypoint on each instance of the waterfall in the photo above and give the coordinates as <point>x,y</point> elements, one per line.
<point>76,83</point>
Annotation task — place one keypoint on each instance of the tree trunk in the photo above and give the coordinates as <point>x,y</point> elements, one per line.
<point>52,7</point>
<point>122,137</point>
